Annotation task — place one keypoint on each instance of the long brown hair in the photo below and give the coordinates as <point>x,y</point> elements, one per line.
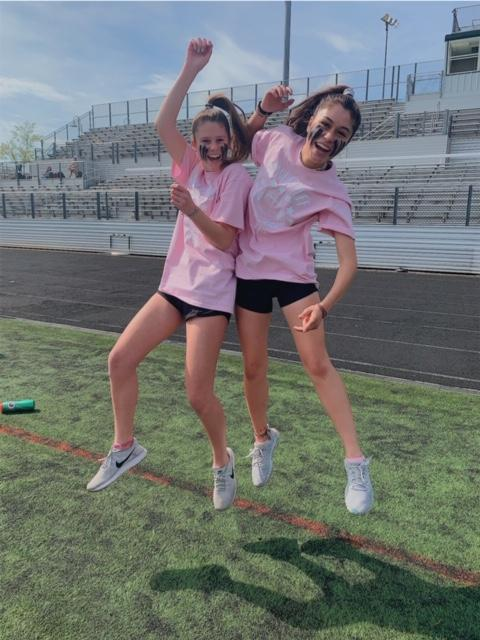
<point>236,128</point>
<point>300,115</point>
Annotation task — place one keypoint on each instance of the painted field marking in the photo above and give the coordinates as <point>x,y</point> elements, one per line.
<point>463,576</point>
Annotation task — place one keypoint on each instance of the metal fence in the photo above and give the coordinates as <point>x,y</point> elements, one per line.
<point>397,82</point>
<point>392,205</point>
<point>146,143</point>
<point>48,174</point>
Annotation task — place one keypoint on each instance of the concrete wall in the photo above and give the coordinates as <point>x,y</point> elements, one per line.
<point>452,249</point>
<point>400,149</point>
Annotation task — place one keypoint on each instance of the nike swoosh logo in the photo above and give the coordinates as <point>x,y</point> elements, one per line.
<point>119,464</point>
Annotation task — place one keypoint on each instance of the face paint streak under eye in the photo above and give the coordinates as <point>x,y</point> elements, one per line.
<point>338,145</point>
<point>224,151</point>
<point>204,149</point>
<point>318,131</point>
<point>315,133</point>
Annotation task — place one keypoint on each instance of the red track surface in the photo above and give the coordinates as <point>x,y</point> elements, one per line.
<point>470,578</point>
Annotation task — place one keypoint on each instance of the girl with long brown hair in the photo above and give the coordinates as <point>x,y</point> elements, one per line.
<point>297,187</point>
<point>198,282</point>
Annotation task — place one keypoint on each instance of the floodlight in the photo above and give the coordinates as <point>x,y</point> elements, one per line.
<point>389,22</point>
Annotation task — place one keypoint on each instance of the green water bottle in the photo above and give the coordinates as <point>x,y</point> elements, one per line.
<point>17,406</point>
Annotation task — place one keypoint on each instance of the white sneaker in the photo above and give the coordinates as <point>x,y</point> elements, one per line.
<point>359,490</point>
<point>262,458</point>
<point>225,484</point>
<point>115,464</point>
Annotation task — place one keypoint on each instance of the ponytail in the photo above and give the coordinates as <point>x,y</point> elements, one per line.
<point>337,94</point>
<point>222,110</point>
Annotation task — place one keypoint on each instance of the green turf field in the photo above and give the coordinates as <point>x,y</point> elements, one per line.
<point>142,561</point>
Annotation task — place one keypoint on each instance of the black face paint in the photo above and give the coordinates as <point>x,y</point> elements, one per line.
<point>338,146</point>
<point>317,132</point>
<point>203,150</point>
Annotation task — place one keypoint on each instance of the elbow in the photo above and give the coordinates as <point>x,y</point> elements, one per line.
<point>349,266</point>
<point>159,127</point>
<point>354,268</point>
<point>224,245</point>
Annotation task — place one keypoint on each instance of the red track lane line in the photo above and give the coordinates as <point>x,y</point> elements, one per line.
<point>463,576</point>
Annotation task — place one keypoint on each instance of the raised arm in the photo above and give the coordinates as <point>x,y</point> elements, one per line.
<point>276,99</point>
<point>198,54</point>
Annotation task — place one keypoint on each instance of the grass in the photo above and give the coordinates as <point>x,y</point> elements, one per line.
<point>143,561</point>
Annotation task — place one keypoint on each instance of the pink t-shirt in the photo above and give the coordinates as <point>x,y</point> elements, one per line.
<point>195,271</point>
<point>286,200</point>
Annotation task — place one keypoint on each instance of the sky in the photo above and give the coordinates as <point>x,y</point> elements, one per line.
<point>59,58</point>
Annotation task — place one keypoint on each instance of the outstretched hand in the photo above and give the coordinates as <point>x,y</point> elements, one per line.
<point>199,51</point>
<point>277,98</point>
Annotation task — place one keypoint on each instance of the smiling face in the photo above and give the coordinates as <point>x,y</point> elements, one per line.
<point>212,141</point>
<point>329,131</point>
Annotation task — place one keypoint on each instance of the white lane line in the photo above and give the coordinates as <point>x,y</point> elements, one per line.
<point>108,306</point>
<point>410,344</point>
<point>340,304</point>
<point>381,366</point>
<point>92,304</point>
<point>282,328</point>
<point>280,351</point>
<point>439,313</point>
<point>376,366</point>
<point>424,326</point>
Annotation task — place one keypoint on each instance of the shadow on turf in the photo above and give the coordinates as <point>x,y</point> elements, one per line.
<point>389,597</point>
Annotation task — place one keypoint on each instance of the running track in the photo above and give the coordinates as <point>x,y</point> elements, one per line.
<point>414,326</point>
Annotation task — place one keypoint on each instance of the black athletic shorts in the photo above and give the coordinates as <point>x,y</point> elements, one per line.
<point>257,295</point>
<point>189,311</point>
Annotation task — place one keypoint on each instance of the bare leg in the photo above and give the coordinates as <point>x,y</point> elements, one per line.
<point>253,333</point>
<point>328,384</point>
<point>204,339</point>
<point>155,322</point>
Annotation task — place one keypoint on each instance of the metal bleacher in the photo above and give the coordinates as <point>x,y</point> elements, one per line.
<point>440,191</point>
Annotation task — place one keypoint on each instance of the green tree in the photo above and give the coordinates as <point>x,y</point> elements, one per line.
<point>20,147</point>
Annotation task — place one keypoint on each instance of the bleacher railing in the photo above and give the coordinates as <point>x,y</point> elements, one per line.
<point>399,83</point>
<point>395,126</point>
<point>372,204</point>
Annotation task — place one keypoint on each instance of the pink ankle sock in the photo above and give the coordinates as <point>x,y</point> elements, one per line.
<point>120,446</point>
<point>359,459</point>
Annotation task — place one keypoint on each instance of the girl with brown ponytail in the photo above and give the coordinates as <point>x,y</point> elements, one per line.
<point>198,282</point>
<point>297,187</point>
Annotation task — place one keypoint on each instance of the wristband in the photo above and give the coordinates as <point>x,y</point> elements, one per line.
<point>262,112</point>
<point>323,310</point>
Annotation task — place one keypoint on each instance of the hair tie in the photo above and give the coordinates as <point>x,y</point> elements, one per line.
<point>349,92</point>
<point>214,106</point>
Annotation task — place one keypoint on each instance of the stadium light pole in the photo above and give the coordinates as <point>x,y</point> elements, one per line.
<point>389,22</point>
<point>286,48</point>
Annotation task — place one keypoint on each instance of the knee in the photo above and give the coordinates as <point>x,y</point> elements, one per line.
<point>199,398</point>
<point>320,369</point>
<point>254,369</point>
<point>119,363</point>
